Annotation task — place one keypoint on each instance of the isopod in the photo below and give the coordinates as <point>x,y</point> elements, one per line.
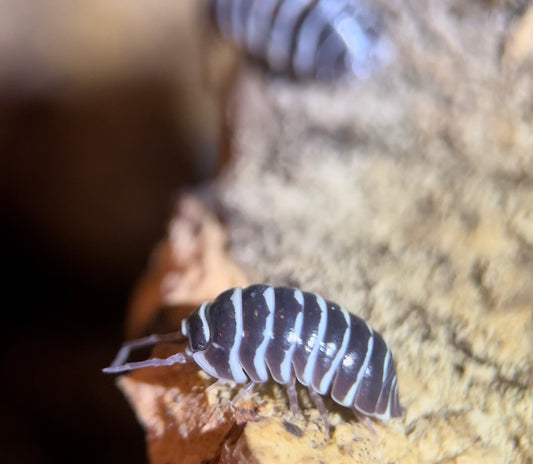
<point>254,334</point>
<point>322,39</point>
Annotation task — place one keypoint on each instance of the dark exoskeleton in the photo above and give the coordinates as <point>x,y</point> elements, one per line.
<point>252,335</point>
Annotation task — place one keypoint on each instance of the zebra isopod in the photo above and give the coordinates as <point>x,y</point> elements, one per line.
<point>322,39</point>
<point>259,333</point>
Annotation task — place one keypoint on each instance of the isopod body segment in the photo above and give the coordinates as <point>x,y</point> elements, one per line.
<point>262,332</point>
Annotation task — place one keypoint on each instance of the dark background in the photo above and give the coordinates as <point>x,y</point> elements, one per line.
<point>107,111</point>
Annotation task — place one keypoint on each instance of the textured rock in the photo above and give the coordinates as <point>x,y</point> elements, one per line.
<point>407,199</point>
<point>191,266</point>
<point>518,50</point>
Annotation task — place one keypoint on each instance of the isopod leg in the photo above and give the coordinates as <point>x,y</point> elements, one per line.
<point>322,410</point>
<point>365,420</point>
<point>216,384</point>
<point>243,392</point>
<point>293,397</point>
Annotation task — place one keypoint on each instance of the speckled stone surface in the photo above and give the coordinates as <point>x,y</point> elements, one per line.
<point>408,199</point>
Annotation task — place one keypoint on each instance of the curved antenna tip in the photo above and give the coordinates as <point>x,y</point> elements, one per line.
<point>178,358</point>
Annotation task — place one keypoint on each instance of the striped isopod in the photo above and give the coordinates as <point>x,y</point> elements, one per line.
<point>262,332</point>
<point>321,39</point>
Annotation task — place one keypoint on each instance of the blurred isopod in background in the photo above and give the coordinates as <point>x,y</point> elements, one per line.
<point>322,39</point>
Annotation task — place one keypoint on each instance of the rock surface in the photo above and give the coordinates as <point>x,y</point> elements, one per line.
<point>408,199</point>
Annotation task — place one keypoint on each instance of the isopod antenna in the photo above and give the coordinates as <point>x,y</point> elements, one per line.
<point>120,363</point>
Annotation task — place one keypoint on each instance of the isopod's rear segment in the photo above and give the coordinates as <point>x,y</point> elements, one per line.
<point>321,39</point>
<point>366,378</point>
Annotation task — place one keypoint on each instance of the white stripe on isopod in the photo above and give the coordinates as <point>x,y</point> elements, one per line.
<point>325,383</point>
<point>350,395</point>
<point>259,357</point>
<point>235,366</point>
<point>316,342</point>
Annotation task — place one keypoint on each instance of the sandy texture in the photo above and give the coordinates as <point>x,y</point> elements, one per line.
<point>409,200</point>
